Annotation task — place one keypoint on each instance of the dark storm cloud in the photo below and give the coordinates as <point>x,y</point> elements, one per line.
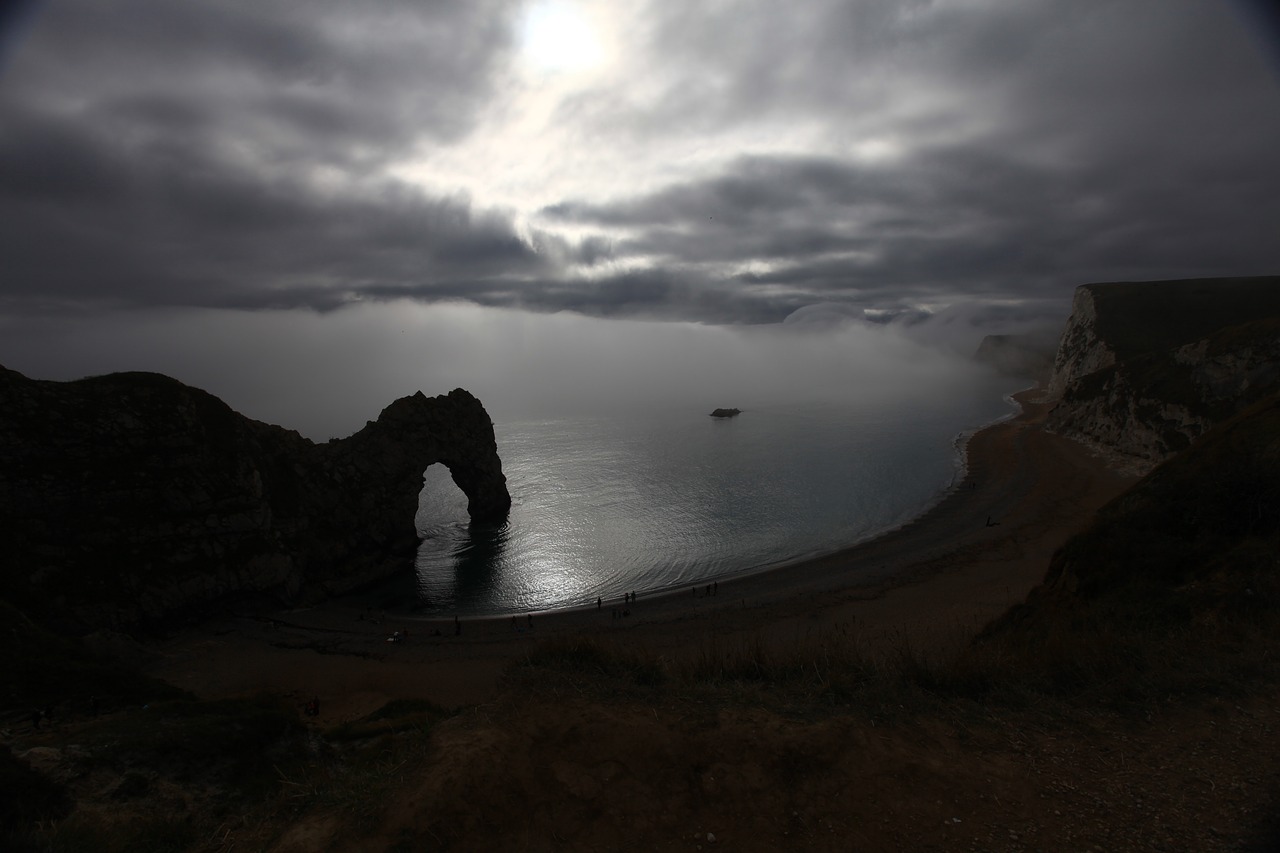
<point>85,219</point>
<point>1262,17</point>
<point>943,70</point>
<point>270,73</point>
<point>214,153</point>
<point>951,221</point>
<point>1080,142</point>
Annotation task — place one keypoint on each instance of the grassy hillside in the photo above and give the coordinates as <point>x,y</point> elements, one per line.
<point>1176,586</point>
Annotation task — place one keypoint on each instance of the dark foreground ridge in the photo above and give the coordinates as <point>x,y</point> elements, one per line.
<point>131,499</point>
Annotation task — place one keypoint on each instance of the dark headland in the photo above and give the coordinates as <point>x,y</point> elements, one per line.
<point>1094,669</point>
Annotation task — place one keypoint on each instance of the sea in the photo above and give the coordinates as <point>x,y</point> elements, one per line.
<point>663,499</point>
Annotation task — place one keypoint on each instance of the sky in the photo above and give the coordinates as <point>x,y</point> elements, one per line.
<point>185,183</point>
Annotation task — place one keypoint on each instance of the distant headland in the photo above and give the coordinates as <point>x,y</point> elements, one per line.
<point>1145,368</point>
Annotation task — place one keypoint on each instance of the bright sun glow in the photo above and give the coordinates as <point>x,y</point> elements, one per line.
<point>558,36</point>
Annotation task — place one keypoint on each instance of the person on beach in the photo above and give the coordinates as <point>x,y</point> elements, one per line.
<point>599,602</point>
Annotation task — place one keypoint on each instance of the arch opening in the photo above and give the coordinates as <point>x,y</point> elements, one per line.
<point>442,505</point>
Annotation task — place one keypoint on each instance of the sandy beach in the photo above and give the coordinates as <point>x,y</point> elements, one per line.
<point>933,582</point>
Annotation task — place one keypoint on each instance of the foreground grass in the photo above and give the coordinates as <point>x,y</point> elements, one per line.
<point>1100,660</point>
<point>224,775</point>
<point>238,775</point>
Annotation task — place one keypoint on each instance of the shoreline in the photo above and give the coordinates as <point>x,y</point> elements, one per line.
<point>934,580</point>
<point>733,579</point>
<point>960,466</point>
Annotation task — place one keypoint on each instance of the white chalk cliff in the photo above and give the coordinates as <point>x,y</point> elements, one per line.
<point>1143,369</point>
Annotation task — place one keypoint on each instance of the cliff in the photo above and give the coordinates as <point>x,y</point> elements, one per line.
<point>1022,356</point>
<point>1142,369</point>
<point>131,498</point>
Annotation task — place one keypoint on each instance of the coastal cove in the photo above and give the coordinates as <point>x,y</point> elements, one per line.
<point>652,501</point>
<point>931,582</point>
<point>970,676</point>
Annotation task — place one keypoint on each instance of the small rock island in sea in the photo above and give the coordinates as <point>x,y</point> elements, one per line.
<point>726,413</point>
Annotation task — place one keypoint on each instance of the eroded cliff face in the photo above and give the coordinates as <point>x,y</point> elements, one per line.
<point>132,498</point>
<point>1081,351</point>
<point>1142,370</point>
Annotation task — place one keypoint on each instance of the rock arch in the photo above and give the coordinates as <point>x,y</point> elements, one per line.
<point>132,498</point>
<point>385,461</point>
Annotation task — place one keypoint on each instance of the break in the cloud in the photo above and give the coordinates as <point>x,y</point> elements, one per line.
<point>729,162</point>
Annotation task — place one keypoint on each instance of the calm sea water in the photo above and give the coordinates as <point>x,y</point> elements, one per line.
<point>603,506</point>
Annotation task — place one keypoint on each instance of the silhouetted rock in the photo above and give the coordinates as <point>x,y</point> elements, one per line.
<point>726,413</point>
<point>131,498</point>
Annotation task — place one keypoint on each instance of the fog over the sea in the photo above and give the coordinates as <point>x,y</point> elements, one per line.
<point>326,375</point>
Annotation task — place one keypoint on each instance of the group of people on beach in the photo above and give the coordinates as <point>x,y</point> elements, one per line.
<point>628,598</point>
<point>619,612</point>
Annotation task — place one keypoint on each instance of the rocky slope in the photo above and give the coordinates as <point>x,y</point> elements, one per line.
<point>1142,369</point>
<point>131,498</point>
<point>1194,541</point>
